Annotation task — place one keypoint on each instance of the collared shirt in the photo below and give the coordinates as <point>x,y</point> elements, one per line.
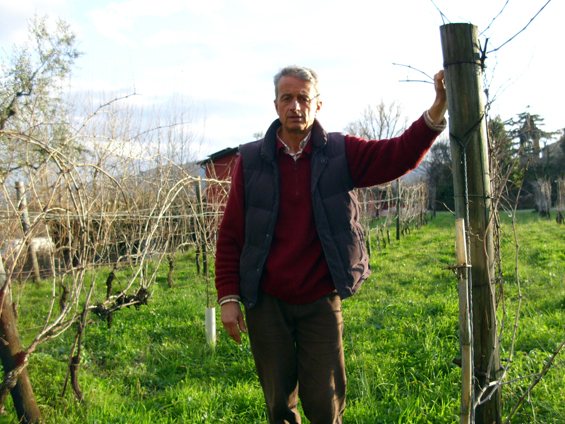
<point>301,146</point>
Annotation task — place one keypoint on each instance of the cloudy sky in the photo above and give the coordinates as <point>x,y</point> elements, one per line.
<point>221,55</point>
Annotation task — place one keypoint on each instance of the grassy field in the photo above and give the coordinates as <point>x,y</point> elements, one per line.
<point>401,336</point>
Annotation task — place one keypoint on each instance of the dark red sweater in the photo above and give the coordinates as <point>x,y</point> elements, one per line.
<point>296,270</point>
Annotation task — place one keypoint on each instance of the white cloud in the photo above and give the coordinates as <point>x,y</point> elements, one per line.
<point>112,20</point>
<point>28,7</point>
<point>14,16</point>
<point>98,84</point>
<point>109,24</point>
<point>139,8</point>
<point>168,37</point>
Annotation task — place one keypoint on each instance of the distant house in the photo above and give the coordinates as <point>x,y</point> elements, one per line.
<point>219,166</point>
<point>552,151</point>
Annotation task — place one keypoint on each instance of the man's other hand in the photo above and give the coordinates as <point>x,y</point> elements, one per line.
<point>437,111</point>
<point>232,318</point>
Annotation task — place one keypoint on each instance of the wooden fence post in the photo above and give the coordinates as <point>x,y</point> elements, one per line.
<point>32,254</point>
<point>471,179</point>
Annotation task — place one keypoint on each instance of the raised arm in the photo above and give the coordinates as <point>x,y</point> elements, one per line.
<point>374,162</point>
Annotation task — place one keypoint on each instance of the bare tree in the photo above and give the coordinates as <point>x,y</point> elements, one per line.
<point>258,135</point>
<point>437,165</point>
<point>378,122</point>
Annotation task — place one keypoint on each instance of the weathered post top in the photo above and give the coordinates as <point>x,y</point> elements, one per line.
<point>460,43</point>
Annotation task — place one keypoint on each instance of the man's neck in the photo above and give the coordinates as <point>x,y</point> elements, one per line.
<point>293,139</point>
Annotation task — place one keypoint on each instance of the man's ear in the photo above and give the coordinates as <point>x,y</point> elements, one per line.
<point>319,105</point>
<point>276,106</point>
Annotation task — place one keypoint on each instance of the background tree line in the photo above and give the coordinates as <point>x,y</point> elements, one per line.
<point>533,159</point>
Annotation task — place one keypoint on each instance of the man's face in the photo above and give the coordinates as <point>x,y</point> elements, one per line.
<point>297,104</point>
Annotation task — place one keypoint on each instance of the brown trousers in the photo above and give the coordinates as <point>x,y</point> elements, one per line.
<point>298,352</point>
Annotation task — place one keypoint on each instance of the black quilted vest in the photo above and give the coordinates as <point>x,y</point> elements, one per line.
<point>334,203</point>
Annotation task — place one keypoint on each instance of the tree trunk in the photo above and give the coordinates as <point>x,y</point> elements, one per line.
<point>471,178</point>
<point>12,356</point>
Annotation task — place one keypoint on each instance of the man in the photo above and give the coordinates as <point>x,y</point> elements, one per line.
<point>290,246</point>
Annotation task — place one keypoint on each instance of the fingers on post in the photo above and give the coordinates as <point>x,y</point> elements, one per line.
<point>439,79</point>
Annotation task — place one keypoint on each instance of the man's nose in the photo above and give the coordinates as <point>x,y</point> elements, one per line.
<point>295,104</point>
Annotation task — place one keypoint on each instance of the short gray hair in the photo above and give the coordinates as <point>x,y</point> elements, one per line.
<point>300,72</point>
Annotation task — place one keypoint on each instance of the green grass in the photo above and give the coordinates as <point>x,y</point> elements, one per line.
<point>401,336</point>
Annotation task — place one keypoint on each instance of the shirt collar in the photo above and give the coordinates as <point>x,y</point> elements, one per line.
<point>302,147</point>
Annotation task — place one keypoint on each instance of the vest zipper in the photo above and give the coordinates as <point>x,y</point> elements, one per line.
<point>296,174</point>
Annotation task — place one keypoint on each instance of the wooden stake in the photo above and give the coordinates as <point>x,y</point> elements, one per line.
<point>32,254</point>
<point>201,225</point>
<point>471,179</point>
<point>464,324</point>
<point>398,209</point>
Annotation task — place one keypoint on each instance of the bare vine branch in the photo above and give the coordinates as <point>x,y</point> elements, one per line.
<point>519,32</point>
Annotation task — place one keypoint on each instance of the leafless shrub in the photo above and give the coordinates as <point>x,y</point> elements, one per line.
<point>379,209</point>
<point>127,199</point>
